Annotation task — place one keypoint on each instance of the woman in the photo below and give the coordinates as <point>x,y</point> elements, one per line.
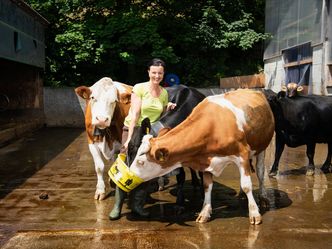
<point>148,100</point>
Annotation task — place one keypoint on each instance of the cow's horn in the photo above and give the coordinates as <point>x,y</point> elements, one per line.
<point>299,89</point>
<point>284,88</point>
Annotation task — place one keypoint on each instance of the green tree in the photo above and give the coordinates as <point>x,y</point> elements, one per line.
<point>199,40</point>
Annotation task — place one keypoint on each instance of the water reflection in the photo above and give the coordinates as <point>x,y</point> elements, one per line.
<point>253,233</point>
<point>299,185</point>
<point>292,170</point>
<point>205,230</point>
<point>320,185</point>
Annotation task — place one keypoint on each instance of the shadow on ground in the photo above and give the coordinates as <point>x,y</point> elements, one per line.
<point>31,154</point>
<point>226,203</point>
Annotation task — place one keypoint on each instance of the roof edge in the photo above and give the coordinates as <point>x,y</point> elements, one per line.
<point>26,7</point>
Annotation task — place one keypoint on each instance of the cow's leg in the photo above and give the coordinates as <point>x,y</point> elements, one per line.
<point>310,155</point>
<point>99,167</point>
<point>161,183</point>
<point>200,173</point>
<point>246,185</point>
<point>180,179</point>
<point>206,211</point>
<point>194,179</point>
<point>260,171</point>
<point>327,164</point>
<point>280,145</point>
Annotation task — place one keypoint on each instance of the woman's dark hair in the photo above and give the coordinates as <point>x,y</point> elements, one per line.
<point>157,62</point>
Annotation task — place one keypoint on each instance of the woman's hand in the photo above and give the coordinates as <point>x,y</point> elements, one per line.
<point>125,145</point>
<point>170,106</point>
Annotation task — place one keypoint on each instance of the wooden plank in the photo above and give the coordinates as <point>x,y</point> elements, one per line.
<point>247,81</point>
<point>297,63</point>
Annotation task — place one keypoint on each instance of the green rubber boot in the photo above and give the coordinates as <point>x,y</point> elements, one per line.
<point>120,196</point>
<point>137,200</point>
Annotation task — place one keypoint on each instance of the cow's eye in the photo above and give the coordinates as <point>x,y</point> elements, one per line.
<point>140,162</point>
<point>93,98</point>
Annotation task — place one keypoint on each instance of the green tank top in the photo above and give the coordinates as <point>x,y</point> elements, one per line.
<point>152,107</point>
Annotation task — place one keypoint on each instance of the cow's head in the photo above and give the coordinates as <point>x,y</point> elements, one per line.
<point>292,89</point>
<point>102,97</point>
<point>147,165</point>
<point>136,139</point>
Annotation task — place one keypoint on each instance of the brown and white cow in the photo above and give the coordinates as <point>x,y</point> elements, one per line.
<point>107,104</point>
<point>224,129</point>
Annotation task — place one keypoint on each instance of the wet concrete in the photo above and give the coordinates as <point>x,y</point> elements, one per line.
<point>56,163</point>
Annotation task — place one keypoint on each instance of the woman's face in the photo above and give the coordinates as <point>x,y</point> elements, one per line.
<point>156,74</point>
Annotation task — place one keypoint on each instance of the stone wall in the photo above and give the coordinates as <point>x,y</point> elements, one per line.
<point>63,108</point>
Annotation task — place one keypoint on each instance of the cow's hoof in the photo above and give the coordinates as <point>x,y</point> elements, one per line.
<point>100,196</point>
<point>202,219</point>
<point>273,173</point>
<point>256,220</point>
<point>310,172</point>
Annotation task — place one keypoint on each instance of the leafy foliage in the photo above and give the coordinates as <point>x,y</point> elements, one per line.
<point>199,40</point>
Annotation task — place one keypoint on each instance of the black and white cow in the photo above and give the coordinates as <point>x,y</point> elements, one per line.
<point>186,98</point>
<point>301,120</point>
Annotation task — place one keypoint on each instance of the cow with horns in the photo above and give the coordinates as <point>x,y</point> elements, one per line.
<point>301,120</point>
<point>107,105</point>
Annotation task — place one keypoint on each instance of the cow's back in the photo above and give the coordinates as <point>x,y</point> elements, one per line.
<point>186,98</point>
<point>257,119</point>
<point>305,118</point>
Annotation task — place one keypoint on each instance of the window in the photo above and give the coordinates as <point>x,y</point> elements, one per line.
<point>17,42</point>
<point>298,63</point>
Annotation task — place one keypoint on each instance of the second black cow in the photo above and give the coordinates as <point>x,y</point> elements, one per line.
<point>301,120</point>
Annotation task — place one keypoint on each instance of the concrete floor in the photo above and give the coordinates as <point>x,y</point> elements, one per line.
<point>57,162</point>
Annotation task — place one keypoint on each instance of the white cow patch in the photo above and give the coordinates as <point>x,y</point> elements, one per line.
<point>103,100</point>
<point>146,169</point>
<point>218,164</point>
<point>239,114</point>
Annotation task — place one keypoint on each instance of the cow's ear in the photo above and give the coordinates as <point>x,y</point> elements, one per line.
<point>125,98</point>
<point>161,154</point>
<point>83,91</point>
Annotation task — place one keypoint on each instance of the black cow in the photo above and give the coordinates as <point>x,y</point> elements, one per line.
<point>301,120</point>
<point>186,98</point>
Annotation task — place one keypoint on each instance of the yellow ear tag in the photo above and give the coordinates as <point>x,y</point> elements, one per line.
<point>122,176</point>
<point>147,130</point>
<point>161,159</point>
<point>85,96</point>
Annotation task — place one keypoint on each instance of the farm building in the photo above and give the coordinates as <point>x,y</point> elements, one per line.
<point>299,49</point>
<point>22,63</point>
